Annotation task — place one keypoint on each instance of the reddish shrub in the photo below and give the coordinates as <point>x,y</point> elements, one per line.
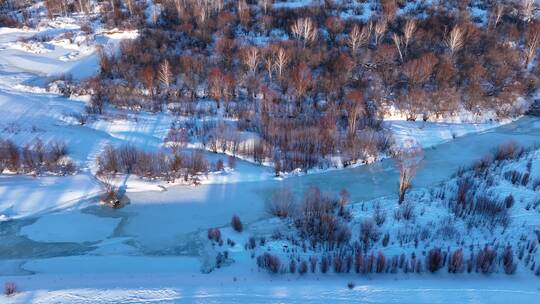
<point>236,223</point>
<point>485,260</point>
<point>434,260</point>
<point>214,234</point>
<point>508,261</point>
<point>455,263</point>
<point>269,262</point>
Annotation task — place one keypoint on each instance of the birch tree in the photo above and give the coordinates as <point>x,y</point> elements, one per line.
<point>304,29</point>
<point>454,41</point>
<point>165,74</point>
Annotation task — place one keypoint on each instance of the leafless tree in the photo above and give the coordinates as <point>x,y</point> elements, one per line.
<point>357,38</point>
<point>398,42</point>
<point>355,109</point>
<point>129,4</point>
<point>281,203</point>
<point>250,57</point>
<point>408,32</point>
<point>265,5</point>
<point>380,29</point>
<point>408,159</point>
<point>528,8</point>
<point>269,65</point>
<point>497,14</point>
<point>165,74</point>
<point>454,41</point>
<point>281,60</point>
<point>304,29</point>
<point>531,45</point>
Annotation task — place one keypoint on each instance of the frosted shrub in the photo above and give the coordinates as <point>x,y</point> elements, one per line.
<point>292,266</point>
<point>434,260</point>
<point>281,203</point>
<point>455,262</point>
<point>508,261</point>
<point>485,260</point>
<point>10,288</point>
<point>214,234</point>
<point>369,232</point>
<point>269,262</point>
<point>236,223</point>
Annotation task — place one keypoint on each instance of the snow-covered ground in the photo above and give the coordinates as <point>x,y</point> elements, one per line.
<point>152,251</point>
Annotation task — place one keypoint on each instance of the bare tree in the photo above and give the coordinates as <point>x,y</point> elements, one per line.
<point>165,74</point>
<point>497,13</point>
<point>380,30</point>
<point>357,38</point>
<point>281,60</point>
<point>398,41</point>
<point>129,5</point>
<point>528,8</point>
<point>355,109</point>
<point>408,159</point>
<point>408,32</point>
<point>454,41</point>
<point>531,45</point>
<point>265,5</point>
<point>250,57</point>
<point>304,29</point>
<point>268,58</point>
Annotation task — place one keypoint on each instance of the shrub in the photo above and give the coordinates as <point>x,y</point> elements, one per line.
<point>507,151</point>
<point>269,262</point>
<point>280,204</point>
<point>316,219</point>
<point>303,268</point>
<point>508,261</point>
<point>231,161</point>
<point>252,243</point>
<point>313,264</point>
<point>513,176</point>
<point>214,234</point>
<point>10,288</point>
<point>455,262</point>
<point>386,239</point>
<point>358,262</point>
<point>219,165</point>
<point>406,211</point>
<point>379,215</point>
<point>292,266</point>
<point>525,179</point>
<point>509,201</point>
<point>324,264</point>
<point>381,262</point>
<point>485,260</point>
<point>434,260</point>
<point>338,264</point>
<point>36,158</point>
<point>236,223</point>
<point>368,232</point>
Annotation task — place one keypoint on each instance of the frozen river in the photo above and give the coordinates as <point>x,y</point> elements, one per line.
<point>182,210</point>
